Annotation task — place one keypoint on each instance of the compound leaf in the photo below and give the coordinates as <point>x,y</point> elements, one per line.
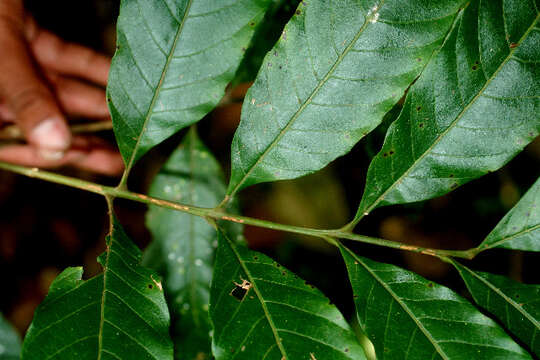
<point>409,317</point>
<point>516,305</point>
<point>520,228</point>
<point>261,310</point>
<point>475,106</point>
<point>120,314</point>
<point>173,62</point>
<point>338,67</point>
<point>10,343</point>
<point>183,245</point>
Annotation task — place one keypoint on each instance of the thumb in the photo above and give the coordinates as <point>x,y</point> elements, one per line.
<point>27,95</point>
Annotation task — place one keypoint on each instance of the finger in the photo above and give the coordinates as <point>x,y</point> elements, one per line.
<point>80,99</point>
<point>101,157</point>
<point>26,95</point>
<point>100,160</point>
<point>53,53</point>
<point>6,114</point>
<point>27,155</point>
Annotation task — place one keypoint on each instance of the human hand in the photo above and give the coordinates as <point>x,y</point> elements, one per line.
<point>39,87</point>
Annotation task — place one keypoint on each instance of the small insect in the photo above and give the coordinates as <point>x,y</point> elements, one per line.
<point>240,290</point>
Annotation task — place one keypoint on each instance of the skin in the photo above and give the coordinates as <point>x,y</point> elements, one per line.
<point>43,80</point>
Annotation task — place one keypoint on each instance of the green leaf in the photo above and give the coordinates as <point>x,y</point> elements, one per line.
<point>183,246</point>
<point>10,343</point>
<point>260,310</point>
<point>409,317</point>
<point>173,62</point>
<point>520,228</point>
<point>277,15</point>
<point>516,305</point>
<point>120,314</point>
<point>338,67</point>
<point>474,107</point>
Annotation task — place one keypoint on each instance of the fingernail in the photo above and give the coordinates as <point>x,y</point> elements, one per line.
<point>51,134</point>
<point>51,155</point>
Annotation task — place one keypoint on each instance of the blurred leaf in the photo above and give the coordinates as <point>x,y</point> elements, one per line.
<point>260,310</point>
<point>516,305</point>
<point>183,246</point>
<point>314,201</point>
<point>120,314</point>
<point>474,108</point>
<point>338,68</point>
<point>520,227</point>
<point>173,62</point>
<point>409,317</point>
<point>10,343</point>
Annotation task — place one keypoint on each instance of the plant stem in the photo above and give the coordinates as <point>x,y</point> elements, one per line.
<point>218,214</point>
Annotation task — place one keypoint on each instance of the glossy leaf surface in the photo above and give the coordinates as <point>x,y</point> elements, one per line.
<point>10,344</point>
<point>173,62</point>
<point>520,228</point>
<point>260,310</point>
<point>338,67</point>
<point>120,314</point>
<point>408,317</point>
<point>183,245</point>
<point>516,305</point>
<point>475,106</point>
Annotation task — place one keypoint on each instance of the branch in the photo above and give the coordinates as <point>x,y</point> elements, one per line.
<point>118,192</point>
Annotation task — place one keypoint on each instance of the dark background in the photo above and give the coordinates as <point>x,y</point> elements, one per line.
<point>45,228</point>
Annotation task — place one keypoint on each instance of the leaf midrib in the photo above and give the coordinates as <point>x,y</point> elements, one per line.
<point>452,125</point>
<point>402,304</point>
<point>104,292</point>
<point>508,238</point>
<point>259,296</point>
<point>191,192</point>
<point>158,89</point>
<point>305,103</point>
<point>503,295</point>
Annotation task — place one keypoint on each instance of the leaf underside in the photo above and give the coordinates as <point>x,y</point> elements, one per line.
<point>409,317</point>
<point>183,245</point>
<point>520,228</point>
<point>475,106</point>
<point>338,67</point>
<point>173,62</point>
<point>278,317</point>
<point>120,314</point>
<point>10,343</point>
<point>516,305</point>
